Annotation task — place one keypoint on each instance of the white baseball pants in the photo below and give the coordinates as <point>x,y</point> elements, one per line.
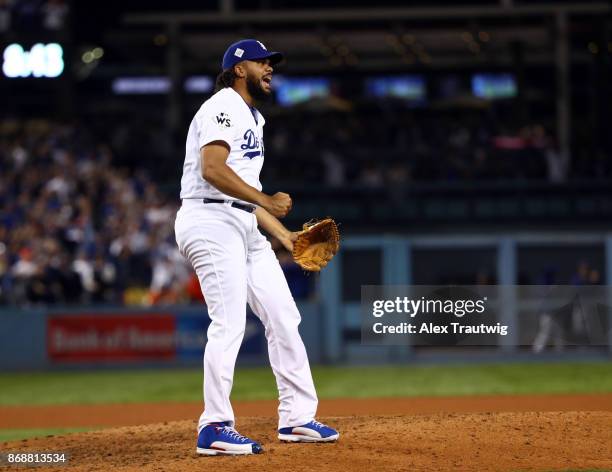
<point>235,264</point>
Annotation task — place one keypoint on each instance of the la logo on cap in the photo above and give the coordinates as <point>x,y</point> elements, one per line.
<point>239,52</point>
<point>261,44</point>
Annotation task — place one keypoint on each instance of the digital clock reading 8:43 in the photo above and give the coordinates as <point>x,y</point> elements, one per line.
<point>42,60</point>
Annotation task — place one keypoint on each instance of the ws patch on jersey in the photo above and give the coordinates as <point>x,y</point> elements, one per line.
<point>222,120</point>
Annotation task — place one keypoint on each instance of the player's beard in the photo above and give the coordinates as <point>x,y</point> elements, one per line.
<point>255,89</point>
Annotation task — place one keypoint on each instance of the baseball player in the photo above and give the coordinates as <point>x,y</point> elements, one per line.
<point>217,230</point>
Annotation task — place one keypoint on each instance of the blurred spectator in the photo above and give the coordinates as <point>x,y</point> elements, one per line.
<point>104,278</point>
<point>334,169</point>
<point>83,266</point>
<point>5,281</point>
<point>371,176</point>
<point>26,15</point>
<point>557,162</point>
<point>170,276</point>
<point>397,179</point>
<point>54,14</point>
<point>585,275</point>
<point>5,16</point>
<point>562,324</point>
<point>550,321</point>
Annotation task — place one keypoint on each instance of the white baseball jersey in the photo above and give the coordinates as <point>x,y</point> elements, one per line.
<point>224,117</point>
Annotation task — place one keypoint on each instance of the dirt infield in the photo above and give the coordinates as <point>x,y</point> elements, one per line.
<point>445,442</point>
<point>503,436</point>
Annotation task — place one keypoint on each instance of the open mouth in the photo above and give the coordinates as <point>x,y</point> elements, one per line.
<point>267,79</point>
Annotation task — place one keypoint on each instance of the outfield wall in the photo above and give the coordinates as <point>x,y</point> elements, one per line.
<point>123,337</point>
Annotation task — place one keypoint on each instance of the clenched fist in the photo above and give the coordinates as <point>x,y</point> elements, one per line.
<point>278,204</point>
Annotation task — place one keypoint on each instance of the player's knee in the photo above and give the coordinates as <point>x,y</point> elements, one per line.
<point>219,329</point>
<point>287,329</point>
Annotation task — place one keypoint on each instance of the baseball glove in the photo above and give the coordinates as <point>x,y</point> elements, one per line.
<point>316,244</point>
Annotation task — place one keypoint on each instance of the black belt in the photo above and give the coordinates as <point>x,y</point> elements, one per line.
<point>240,206</point>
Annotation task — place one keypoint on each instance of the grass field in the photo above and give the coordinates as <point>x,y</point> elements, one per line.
<point>16,434</point>
<point>332,382</point>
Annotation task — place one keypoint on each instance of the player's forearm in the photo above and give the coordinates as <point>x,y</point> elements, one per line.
<point>271,225</point>
<point>224,179</point>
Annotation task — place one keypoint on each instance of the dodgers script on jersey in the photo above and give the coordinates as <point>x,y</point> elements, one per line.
<point>224,117</point>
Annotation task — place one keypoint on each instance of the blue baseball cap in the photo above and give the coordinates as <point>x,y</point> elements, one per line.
<point>248,50</point>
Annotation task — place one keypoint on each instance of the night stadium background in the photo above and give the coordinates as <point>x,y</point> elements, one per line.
<point>456,143</point>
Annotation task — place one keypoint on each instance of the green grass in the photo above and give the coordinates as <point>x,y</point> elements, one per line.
<point>18,434</point>
<point>52,388</point>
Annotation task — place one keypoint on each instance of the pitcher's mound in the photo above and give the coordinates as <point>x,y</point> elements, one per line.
<point>443,442</point>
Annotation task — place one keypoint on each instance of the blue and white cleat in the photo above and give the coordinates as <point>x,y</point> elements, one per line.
<point>220,438</point>
<point>312,431</point>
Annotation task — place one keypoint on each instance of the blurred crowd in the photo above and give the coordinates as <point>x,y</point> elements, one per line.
<point>33,15</point>
<point>76,229</point>
<point>382,146</point>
